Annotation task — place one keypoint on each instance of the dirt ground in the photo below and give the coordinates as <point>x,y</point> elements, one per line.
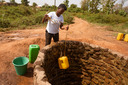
<point>16,43</point>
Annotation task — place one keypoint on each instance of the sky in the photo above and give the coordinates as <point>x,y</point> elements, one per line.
<point>51,2</point>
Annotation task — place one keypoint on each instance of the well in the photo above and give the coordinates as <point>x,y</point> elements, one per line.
<point>89,65</point>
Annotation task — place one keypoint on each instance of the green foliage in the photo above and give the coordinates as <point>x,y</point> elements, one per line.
<point>12,1</point>
<point>14,12</point>
<point>18,16</point>
<point>85,5</point>
<point>123,27</point>
<point>73,8</point>
<point>90,5</point>
<point>25,2</point>
<point>114,22</point>
<point>126,9</point>
<point>28,20</point>
<point>66,2</point>
<point>34,4</point>
<point>94,6</point>
<point>4,23</point>
<point>103,18</point>
<point>2,1</point>
<point>68,19</point>
<point>23,16</point>
<point>48,8</point>
<point>107,6</point>
<point>122,13</point>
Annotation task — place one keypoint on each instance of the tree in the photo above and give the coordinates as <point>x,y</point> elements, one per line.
<point>85,5</point>
<point>12,1</point>
<point>34,4</point>
<point>108,5</point>
<point>66,2</point>
<point>2,0</point>
<point>90,5</point>
<point>73,6</point>
<point>126,9</point>
<point>94,4</point>
<point>25,2</point>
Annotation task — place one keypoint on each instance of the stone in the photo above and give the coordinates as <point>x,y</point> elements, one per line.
<point>97,49</point>
<point>88,63</point>
<point>95,81</point>
<point>87,81</point>
<point>90,71</point>
<point>96,70</point>
<point>102,72</point>
<point>108,75</point>
<point>107,80</point>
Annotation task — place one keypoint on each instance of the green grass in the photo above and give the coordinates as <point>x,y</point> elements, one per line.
<point>23,17</point>
<point>112,21</point>
<point>123,28</point>
<point>11,16</point>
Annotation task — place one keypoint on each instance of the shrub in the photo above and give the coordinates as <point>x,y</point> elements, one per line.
<point>21,16</point>
<point>103,18</point>
<point>4,23</point>
<point>122,13</point>
<point>12,16</point>
<point>68,19</point>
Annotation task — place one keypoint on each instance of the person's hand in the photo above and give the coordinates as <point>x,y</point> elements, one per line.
<point>66,28</point>
<point>47,17</point>
<point>62,28</point>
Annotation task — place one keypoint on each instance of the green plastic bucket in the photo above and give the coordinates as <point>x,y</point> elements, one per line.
<point>20,64</point>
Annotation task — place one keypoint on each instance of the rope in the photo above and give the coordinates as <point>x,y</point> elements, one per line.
<point>65,41</point>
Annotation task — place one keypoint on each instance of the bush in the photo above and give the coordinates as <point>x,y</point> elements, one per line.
<point>103,18</point>
<point>75,10</point>
<point>48,8</point>
<point>12,16</point>
<point>122,13</point>
<point>21,16</point>
<point>68,19</point>
<point>38,19</point>
<point>4,23</point>
<point>114,21</point>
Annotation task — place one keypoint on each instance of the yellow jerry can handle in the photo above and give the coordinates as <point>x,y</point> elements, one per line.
<point>63,62</point>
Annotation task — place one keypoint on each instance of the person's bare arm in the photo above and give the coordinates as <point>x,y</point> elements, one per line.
<point>63,28</point>
<point>45,19</point>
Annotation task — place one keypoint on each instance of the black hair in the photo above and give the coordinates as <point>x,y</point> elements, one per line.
<point>62,6</point>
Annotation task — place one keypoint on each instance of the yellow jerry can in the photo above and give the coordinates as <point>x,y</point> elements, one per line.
<point>63,62</point>
<point>120,36</point>
<point>126,38</point>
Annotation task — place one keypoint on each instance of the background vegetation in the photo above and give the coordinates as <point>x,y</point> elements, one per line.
<point>105,12</point>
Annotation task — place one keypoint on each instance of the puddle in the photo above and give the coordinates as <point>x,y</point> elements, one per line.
<point>16,38</point>
<point>35,35</point>
<point>15,34</point>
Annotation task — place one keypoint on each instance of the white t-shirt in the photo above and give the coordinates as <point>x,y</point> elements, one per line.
<point>54,23</point>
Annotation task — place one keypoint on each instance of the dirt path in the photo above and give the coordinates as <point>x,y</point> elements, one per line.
<point>16,43</point>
